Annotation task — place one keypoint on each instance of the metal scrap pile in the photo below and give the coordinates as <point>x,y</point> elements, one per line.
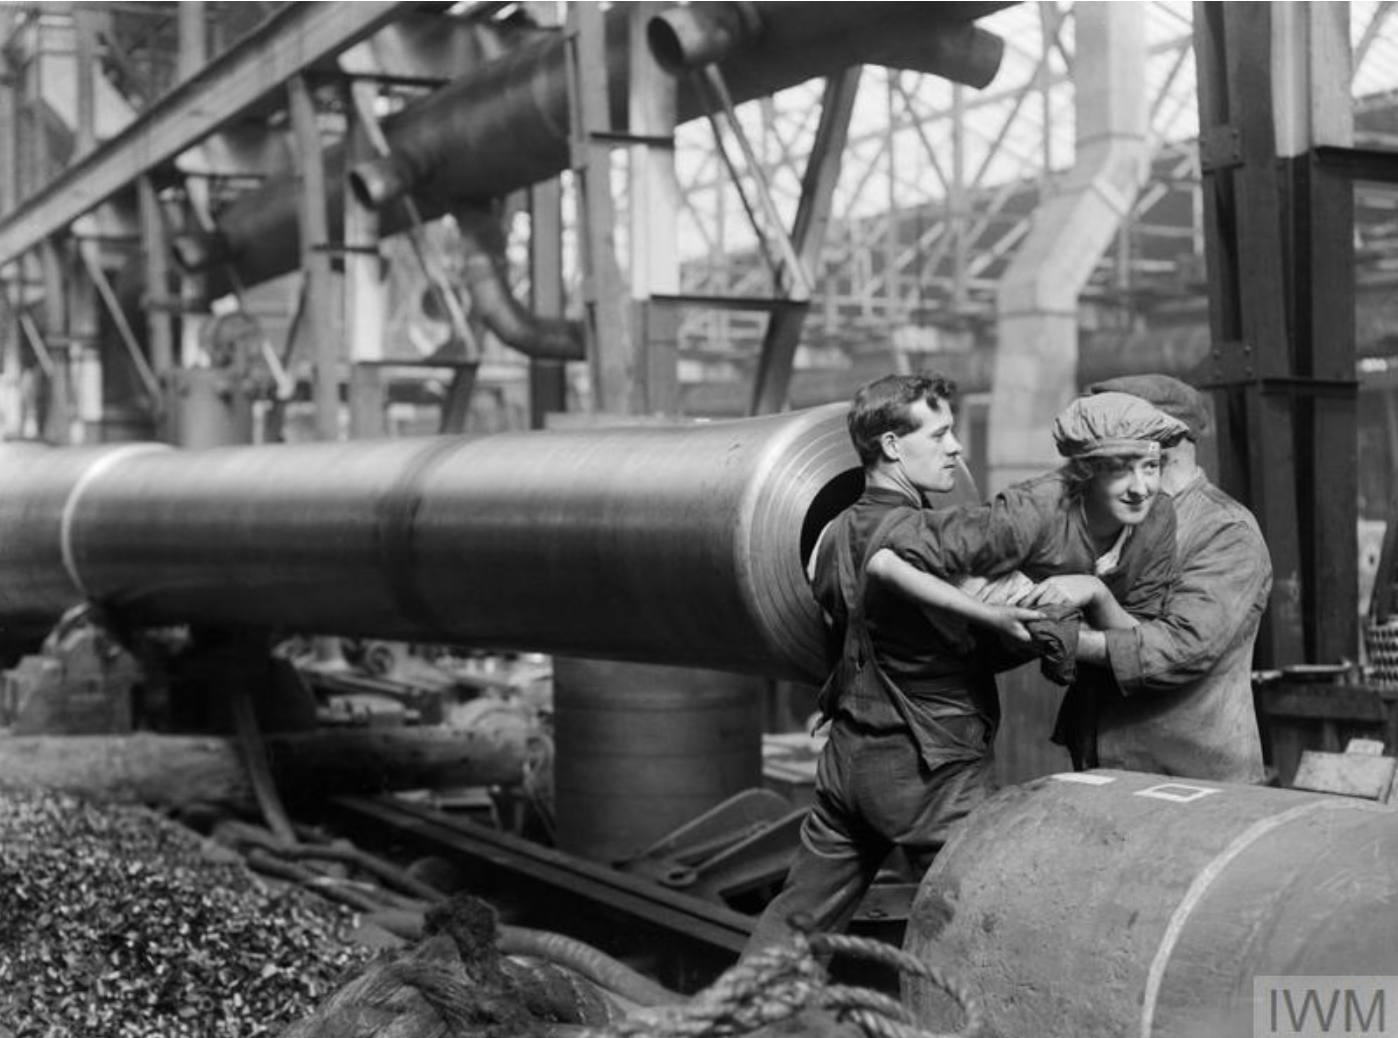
<point>116,921</point>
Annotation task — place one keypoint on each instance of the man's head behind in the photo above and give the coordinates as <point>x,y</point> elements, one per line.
<point>902,425</point>
<point>1177,399</point>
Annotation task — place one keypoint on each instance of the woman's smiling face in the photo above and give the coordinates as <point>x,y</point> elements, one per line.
<point>1122,491</point>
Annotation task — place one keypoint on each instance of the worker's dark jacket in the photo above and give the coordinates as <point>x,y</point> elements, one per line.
<point>925,675</point>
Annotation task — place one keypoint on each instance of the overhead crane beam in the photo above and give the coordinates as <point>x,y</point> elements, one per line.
<point>294,39</point>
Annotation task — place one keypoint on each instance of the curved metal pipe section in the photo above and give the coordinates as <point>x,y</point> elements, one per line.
<point>484,270</point>
<point>1129,904</point>
<point>505,125</point>
<point>679,544</point>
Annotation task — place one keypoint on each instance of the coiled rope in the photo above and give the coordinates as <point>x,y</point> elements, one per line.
<point>780,981</point>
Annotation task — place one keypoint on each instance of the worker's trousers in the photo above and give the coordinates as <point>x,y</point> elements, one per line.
<point>873,792</point>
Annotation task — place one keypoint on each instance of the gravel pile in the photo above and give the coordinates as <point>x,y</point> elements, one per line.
<point>115,921</point>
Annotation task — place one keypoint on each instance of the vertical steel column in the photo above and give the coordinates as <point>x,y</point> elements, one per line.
<point>612,360</point>
<point>193,55</point>
<point>548,379</point>
<point>320,307</point>
<point>1313,57</point>
<point>158,301</point>
<point>193,36</point>
<point>59,414</point>
<point>13,294</point>
<point>1252,349</point>
<point>85,57</point>
<point>956,199</point>
<point>85,360</point>
<point>365,305</point>
<point>9,126</point>
<point>893,218</point>
<point>654,209</point>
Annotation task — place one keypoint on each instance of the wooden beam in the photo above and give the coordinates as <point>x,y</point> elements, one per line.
<point>173,770</point>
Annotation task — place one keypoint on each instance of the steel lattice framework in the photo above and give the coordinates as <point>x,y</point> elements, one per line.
<point>939,185</point>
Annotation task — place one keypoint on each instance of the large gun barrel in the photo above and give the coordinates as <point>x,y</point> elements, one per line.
<point>680,544</point>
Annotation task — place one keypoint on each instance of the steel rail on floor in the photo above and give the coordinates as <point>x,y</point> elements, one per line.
<point>704,922</point>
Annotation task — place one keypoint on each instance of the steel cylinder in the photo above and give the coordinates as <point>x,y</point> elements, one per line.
<point>642,749</point>
<point>680,544</point>
<point>1124,904</point>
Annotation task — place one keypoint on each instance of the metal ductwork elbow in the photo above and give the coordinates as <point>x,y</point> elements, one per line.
<point>485,273</point>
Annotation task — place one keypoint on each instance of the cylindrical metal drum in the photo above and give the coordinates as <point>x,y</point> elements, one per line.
<point>207,407</point>
<point>680,544</point>
<point>1135,906</point>
<point>641,750</point>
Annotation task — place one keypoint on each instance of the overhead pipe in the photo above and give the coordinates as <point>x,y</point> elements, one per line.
<point>504,126</point>
<point>681,544</point>
<point>686,38</point>
<point>761,48</point>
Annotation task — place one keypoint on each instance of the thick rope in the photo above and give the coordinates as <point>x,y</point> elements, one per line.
<point>780,981</point>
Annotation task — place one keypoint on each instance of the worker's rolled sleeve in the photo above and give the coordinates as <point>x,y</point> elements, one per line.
<point>990,540</point>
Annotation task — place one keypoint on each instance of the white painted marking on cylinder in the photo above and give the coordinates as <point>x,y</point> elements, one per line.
<point>1205,879</point>
<point>1083,778</point>
<point>70,507</point>
<point>1175,792</point>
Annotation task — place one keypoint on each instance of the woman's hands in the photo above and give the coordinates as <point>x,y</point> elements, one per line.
<point>1084,592</point>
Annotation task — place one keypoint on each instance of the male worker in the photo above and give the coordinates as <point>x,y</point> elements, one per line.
<point>1184,702</point>
<point>914,706</point>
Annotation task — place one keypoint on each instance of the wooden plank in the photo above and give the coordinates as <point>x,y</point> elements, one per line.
<point>1346,774</point>
<point>1333,702</point>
